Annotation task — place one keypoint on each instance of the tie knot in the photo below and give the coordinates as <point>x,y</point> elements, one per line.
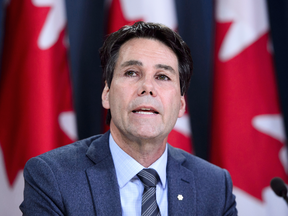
<point>149,177</point>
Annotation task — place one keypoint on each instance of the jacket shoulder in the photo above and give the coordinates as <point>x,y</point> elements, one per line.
<point>55,180</point>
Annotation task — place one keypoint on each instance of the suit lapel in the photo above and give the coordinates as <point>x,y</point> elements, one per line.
<point>181,185</point>
<point>102,178</point>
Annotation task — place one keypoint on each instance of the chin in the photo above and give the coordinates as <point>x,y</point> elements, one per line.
<point>147,134</point>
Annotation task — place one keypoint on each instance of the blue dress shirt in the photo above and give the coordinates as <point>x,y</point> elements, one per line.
<point>130,187</point>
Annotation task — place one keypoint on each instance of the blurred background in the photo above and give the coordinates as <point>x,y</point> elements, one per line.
<point>51,85</point>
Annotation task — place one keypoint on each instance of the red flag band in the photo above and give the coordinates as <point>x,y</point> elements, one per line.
<point>248,134</point>
<point>35,92</point>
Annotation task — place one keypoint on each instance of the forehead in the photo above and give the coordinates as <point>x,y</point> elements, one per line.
<point>150,51</point>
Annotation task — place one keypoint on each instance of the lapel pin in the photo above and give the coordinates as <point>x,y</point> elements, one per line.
<point>180,197</point>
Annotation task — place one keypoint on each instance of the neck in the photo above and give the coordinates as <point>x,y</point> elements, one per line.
<point>144,151</point>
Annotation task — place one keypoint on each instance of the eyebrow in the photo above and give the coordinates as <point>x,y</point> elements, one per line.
<point>158,66</point>
<point>165,67</point>
<point>131,62</point>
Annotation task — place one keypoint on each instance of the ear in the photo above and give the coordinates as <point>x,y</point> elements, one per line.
<point>105,97</point>
<point>182,106</point>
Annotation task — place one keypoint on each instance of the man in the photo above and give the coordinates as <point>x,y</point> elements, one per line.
<point>147,69</point>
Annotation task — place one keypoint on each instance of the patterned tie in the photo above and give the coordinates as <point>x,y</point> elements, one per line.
<point>149,178</point>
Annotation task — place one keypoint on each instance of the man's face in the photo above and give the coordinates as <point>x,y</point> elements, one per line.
<point>144,97</point>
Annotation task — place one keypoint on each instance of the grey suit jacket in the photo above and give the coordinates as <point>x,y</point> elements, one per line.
<point>80,179</point>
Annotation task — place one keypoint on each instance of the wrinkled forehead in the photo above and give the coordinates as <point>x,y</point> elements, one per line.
<point>138,48</point>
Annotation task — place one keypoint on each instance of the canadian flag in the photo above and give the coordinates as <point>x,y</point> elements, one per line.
<point>36,112</point>
<point>247,129</point>
<point>123,12</point>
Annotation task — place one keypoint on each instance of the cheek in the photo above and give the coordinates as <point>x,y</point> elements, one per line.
<point>174,104</point>
<point>118,98</point>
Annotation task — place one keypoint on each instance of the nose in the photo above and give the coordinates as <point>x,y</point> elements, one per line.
<point>147,87</point>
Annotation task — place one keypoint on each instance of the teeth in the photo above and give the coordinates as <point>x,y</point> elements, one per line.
<point>145,113</point>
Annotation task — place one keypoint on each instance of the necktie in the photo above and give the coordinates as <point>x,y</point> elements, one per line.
<point>149,178</point>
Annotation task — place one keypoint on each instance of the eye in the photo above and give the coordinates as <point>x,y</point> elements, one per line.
<point>163,77</point>
<point>130,73</point>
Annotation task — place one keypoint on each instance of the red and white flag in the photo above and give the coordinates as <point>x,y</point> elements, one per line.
<point>36,112</point>
<point>123,12</point>
<point>247,131</point>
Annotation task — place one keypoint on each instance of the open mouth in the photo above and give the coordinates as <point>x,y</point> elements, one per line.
<point>145,111</point>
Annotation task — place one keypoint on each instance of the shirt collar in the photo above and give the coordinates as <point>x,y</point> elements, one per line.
<point>127,167</point>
